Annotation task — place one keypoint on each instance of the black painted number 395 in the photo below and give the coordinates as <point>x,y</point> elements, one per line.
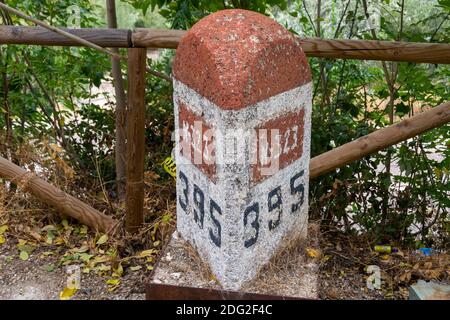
<point>251,215</point>
<point>274,204</point>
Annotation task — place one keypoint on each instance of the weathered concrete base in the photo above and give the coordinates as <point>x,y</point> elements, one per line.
<point>423,290</point>
<point>290,273</point>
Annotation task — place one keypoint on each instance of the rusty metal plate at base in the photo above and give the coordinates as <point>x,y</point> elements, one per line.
<point>157,291</point>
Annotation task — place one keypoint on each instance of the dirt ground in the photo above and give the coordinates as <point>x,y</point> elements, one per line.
<point>34,279</point>
<point>342,272</point>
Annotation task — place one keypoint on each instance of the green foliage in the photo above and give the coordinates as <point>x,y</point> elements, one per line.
<point>159,110</point>
<point>182,14</point>
<point>128,17</point>
<point>399,194</point>
<point>45,89</point>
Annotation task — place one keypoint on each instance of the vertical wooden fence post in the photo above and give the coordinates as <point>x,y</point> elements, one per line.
<point>135,139</point>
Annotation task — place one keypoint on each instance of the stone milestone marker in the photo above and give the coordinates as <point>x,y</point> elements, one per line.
<point>242,94</point>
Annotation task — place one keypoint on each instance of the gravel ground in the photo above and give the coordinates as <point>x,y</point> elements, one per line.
<point>31,280</point>
<point>340,271</point>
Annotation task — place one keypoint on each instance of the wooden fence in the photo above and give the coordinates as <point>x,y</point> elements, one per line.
<point>169,39</point>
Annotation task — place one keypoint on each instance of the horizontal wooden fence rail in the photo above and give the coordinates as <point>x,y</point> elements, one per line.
<point>169,39</point>
<point>108,38</point>
<point>55,197</point>
<point>377,50</point>
<point>380,139</point>
<point>157,38</point>
<point>325,48</point>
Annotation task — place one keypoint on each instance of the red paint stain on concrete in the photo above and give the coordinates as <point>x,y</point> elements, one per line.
<point>196,139</point>
<point>290,129</point>
<point>236,58</point>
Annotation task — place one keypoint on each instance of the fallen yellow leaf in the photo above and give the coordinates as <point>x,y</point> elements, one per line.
<point>103,267</point>
<point>86,270</point>
<point>146,253</point>
<point>59,241</point>
<point>313,253</point>
<point>385,257</point>
<point>113,282</point>
<point>83,230</point>
<point>118,271</point>
<point>82,249</point>
<point>23,255</point>
<point>67,293</point>
<point>65,224</point>
<point>3,229</point>
<point>102,239</point>
<point>135,268</point>
<point>99,259</point>
<point>85,257</point>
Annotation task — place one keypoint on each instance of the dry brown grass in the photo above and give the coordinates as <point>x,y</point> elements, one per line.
<point>291,271</point>
<point>29,220</point>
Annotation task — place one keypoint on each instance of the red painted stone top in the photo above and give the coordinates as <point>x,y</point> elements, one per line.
<point>236,58</point>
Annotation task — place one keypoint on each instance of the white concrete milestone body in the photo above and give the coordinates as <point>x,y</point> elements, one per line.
<point>242,94</point>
